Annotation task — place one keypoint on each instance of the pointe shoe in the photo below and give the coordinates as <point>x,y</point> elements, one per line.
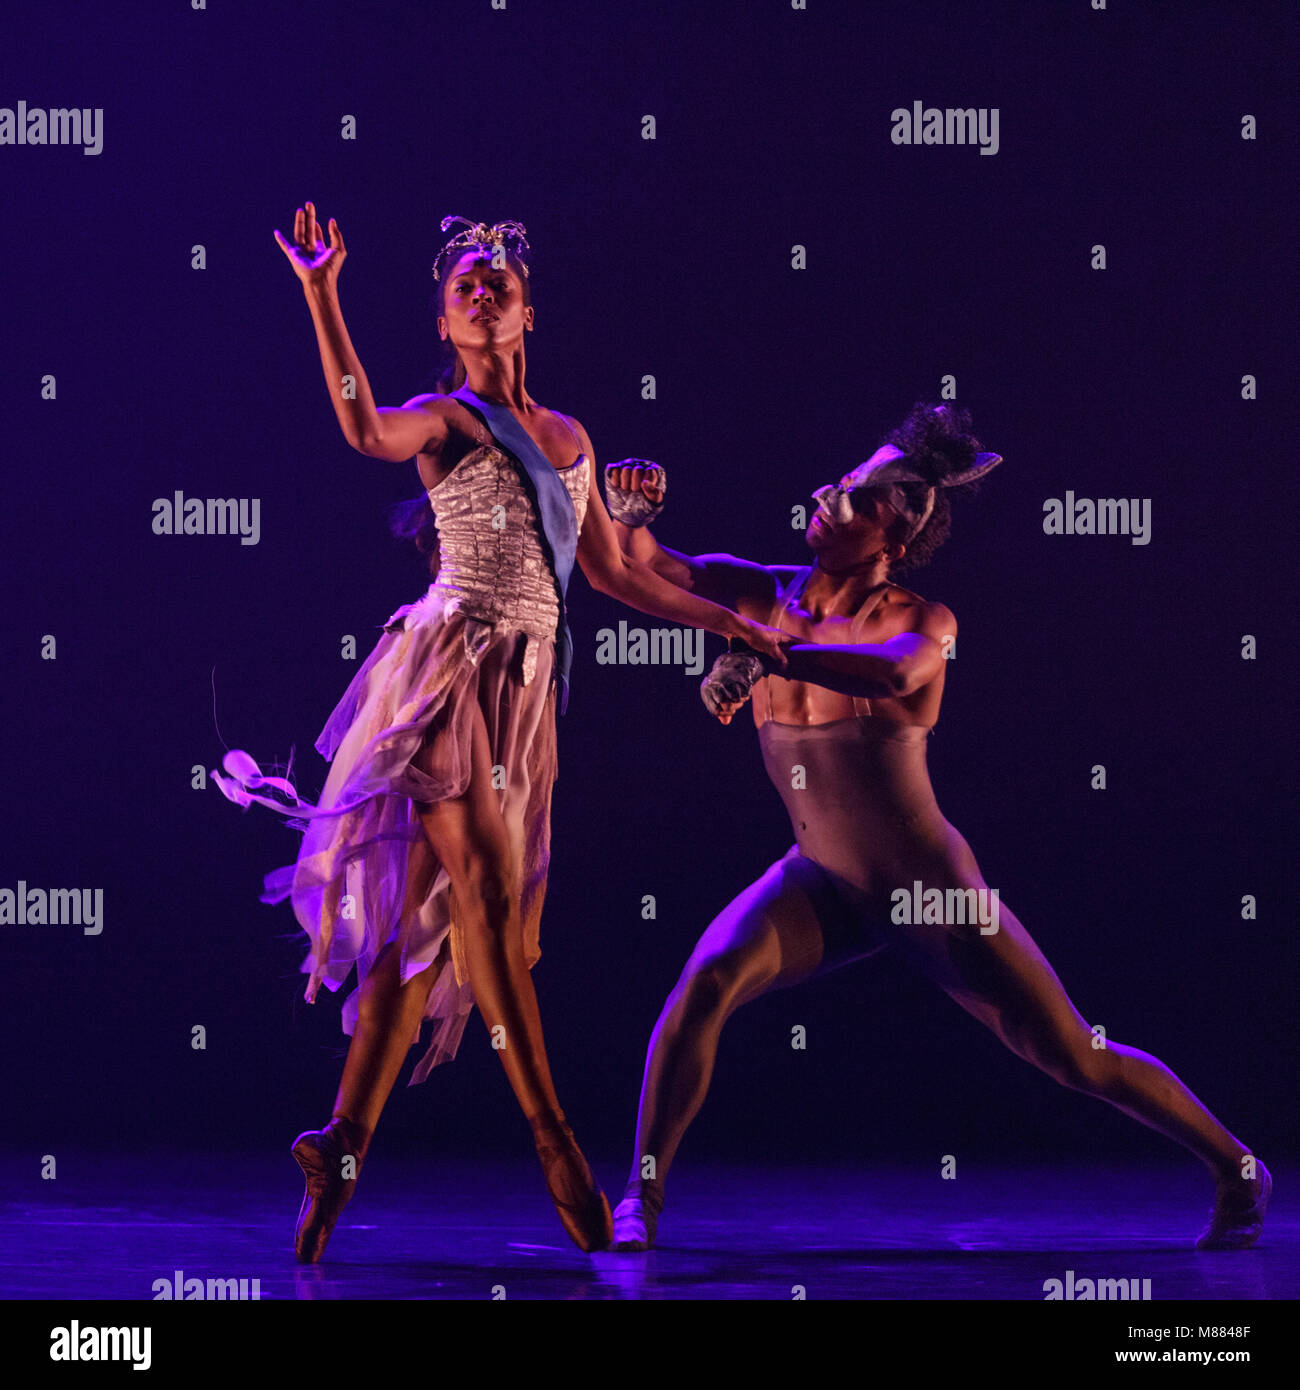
<point>320,1153</point>
<point>586,1218</point>
<point>636,1218</point>
<point>1237,1218</point>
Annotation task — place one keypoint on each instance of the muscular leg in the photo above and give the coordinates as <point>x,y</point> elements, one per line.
<point>388,1018</point>
<point>1006,982</point>
<point>471,841</point>
<point>772,936</point>
<point>469,837</point>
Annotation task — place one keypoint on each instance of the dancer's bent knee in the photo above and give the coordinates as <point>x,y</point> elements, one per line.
<point>717,984</point>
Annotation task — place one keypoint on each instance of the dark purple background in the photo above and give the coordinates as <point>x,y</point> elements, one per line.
<point>672,258</point>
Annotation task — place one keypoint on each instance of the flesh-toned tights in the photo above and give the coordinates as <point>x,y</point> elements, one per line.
<point>470,838</point>
<point>867,824</point>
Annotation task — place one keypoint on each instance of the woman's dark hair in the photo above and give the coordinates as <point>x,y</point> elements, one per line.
<point>938,442</point>
<point>412,519</point>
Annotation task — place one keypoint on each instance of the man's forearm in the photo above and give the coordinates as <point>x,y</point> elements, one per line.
<point>637,542</point>
<point>641,586</point>
<point>864,671</point>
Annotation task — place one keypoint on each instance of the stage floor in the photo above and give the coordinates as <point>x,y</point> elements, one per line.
<point>456,1230</point>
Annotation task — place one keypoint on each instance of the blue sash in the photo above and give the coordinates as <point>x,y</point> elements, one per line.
<point>554,507</point>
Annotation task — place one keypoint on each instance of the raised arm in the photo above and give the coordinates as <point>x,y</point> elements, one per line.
<point>395,433</point>
<point>612,571</point>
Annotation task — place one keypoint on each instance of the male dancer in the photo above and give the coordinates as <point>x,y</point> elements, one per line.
<point>843,736</point>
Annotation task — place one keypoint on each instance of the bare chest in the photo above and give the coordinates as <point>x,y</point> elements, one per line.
<point>802,702</point>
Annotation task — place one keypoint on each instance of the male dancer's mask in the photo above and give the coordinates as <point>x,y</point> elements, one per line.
<point>885,470</point>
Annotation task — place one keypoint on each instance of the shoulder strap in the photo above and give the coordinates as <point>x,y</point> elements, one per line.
<point>564,419</point>
<point>762,704</point>
<point>792,590</point>
<point>554,506</point>
<point>867,609</point>
<point>861,705</point>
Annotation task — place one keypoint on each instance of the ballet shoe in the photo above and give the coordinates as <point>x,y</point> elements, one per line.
<point>636,1218</point>
<point>320,1153</point>
<point>1237,1218</point>
<point>587,1218</point>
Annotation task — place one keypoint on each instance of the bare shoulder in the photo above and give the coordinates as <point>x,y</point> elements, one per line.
<point>452,431</point>
<point>916,614</point>
<point>433,403</point>
<point>453,427</point>
<point>577,427</point>
<point>743,585</point>
<point>441,413</point>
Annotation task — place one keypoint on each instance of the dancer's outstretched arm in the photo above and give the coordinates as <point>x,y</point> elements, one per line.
<point>396,433</point>
<point>726,579</point>
<point>612,571</point>
<point>885,670</point>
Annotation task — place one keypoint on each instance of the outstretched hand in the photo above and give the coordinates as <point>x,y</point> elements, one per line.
<point>727,709</point>
<point>729,683</point>
<point>769,642</point>
<point>313,262</point>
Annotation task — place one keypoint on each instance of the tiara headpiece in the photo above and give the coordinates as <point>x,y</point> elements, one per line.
<point>480,234</point>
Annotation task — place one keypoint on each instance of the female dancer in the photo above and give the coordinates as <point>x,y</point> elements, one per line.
<point>843,736</point>
<point>424,865</point>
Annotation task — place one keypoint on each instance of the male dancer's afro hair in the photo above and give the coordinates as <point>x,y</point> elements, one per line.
<point>938,442</point>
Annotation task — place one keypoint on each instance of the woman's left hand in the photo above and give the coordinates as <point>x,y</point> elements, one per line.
<point>769,642</point>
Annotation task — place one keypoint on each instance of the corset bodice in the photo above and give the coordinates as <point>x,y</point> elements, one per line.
<point>491,560</point>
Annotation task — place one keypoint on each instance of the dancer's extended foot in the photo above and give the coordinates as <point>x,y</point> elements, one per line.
<point>321,1154</point>
<point>636,1218</point>
<point>1238,1215</point>
<point>581,1205</point>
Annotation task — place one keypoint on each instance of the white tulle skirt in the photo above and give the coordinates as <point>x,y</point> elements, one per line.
<point>402,734</point>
